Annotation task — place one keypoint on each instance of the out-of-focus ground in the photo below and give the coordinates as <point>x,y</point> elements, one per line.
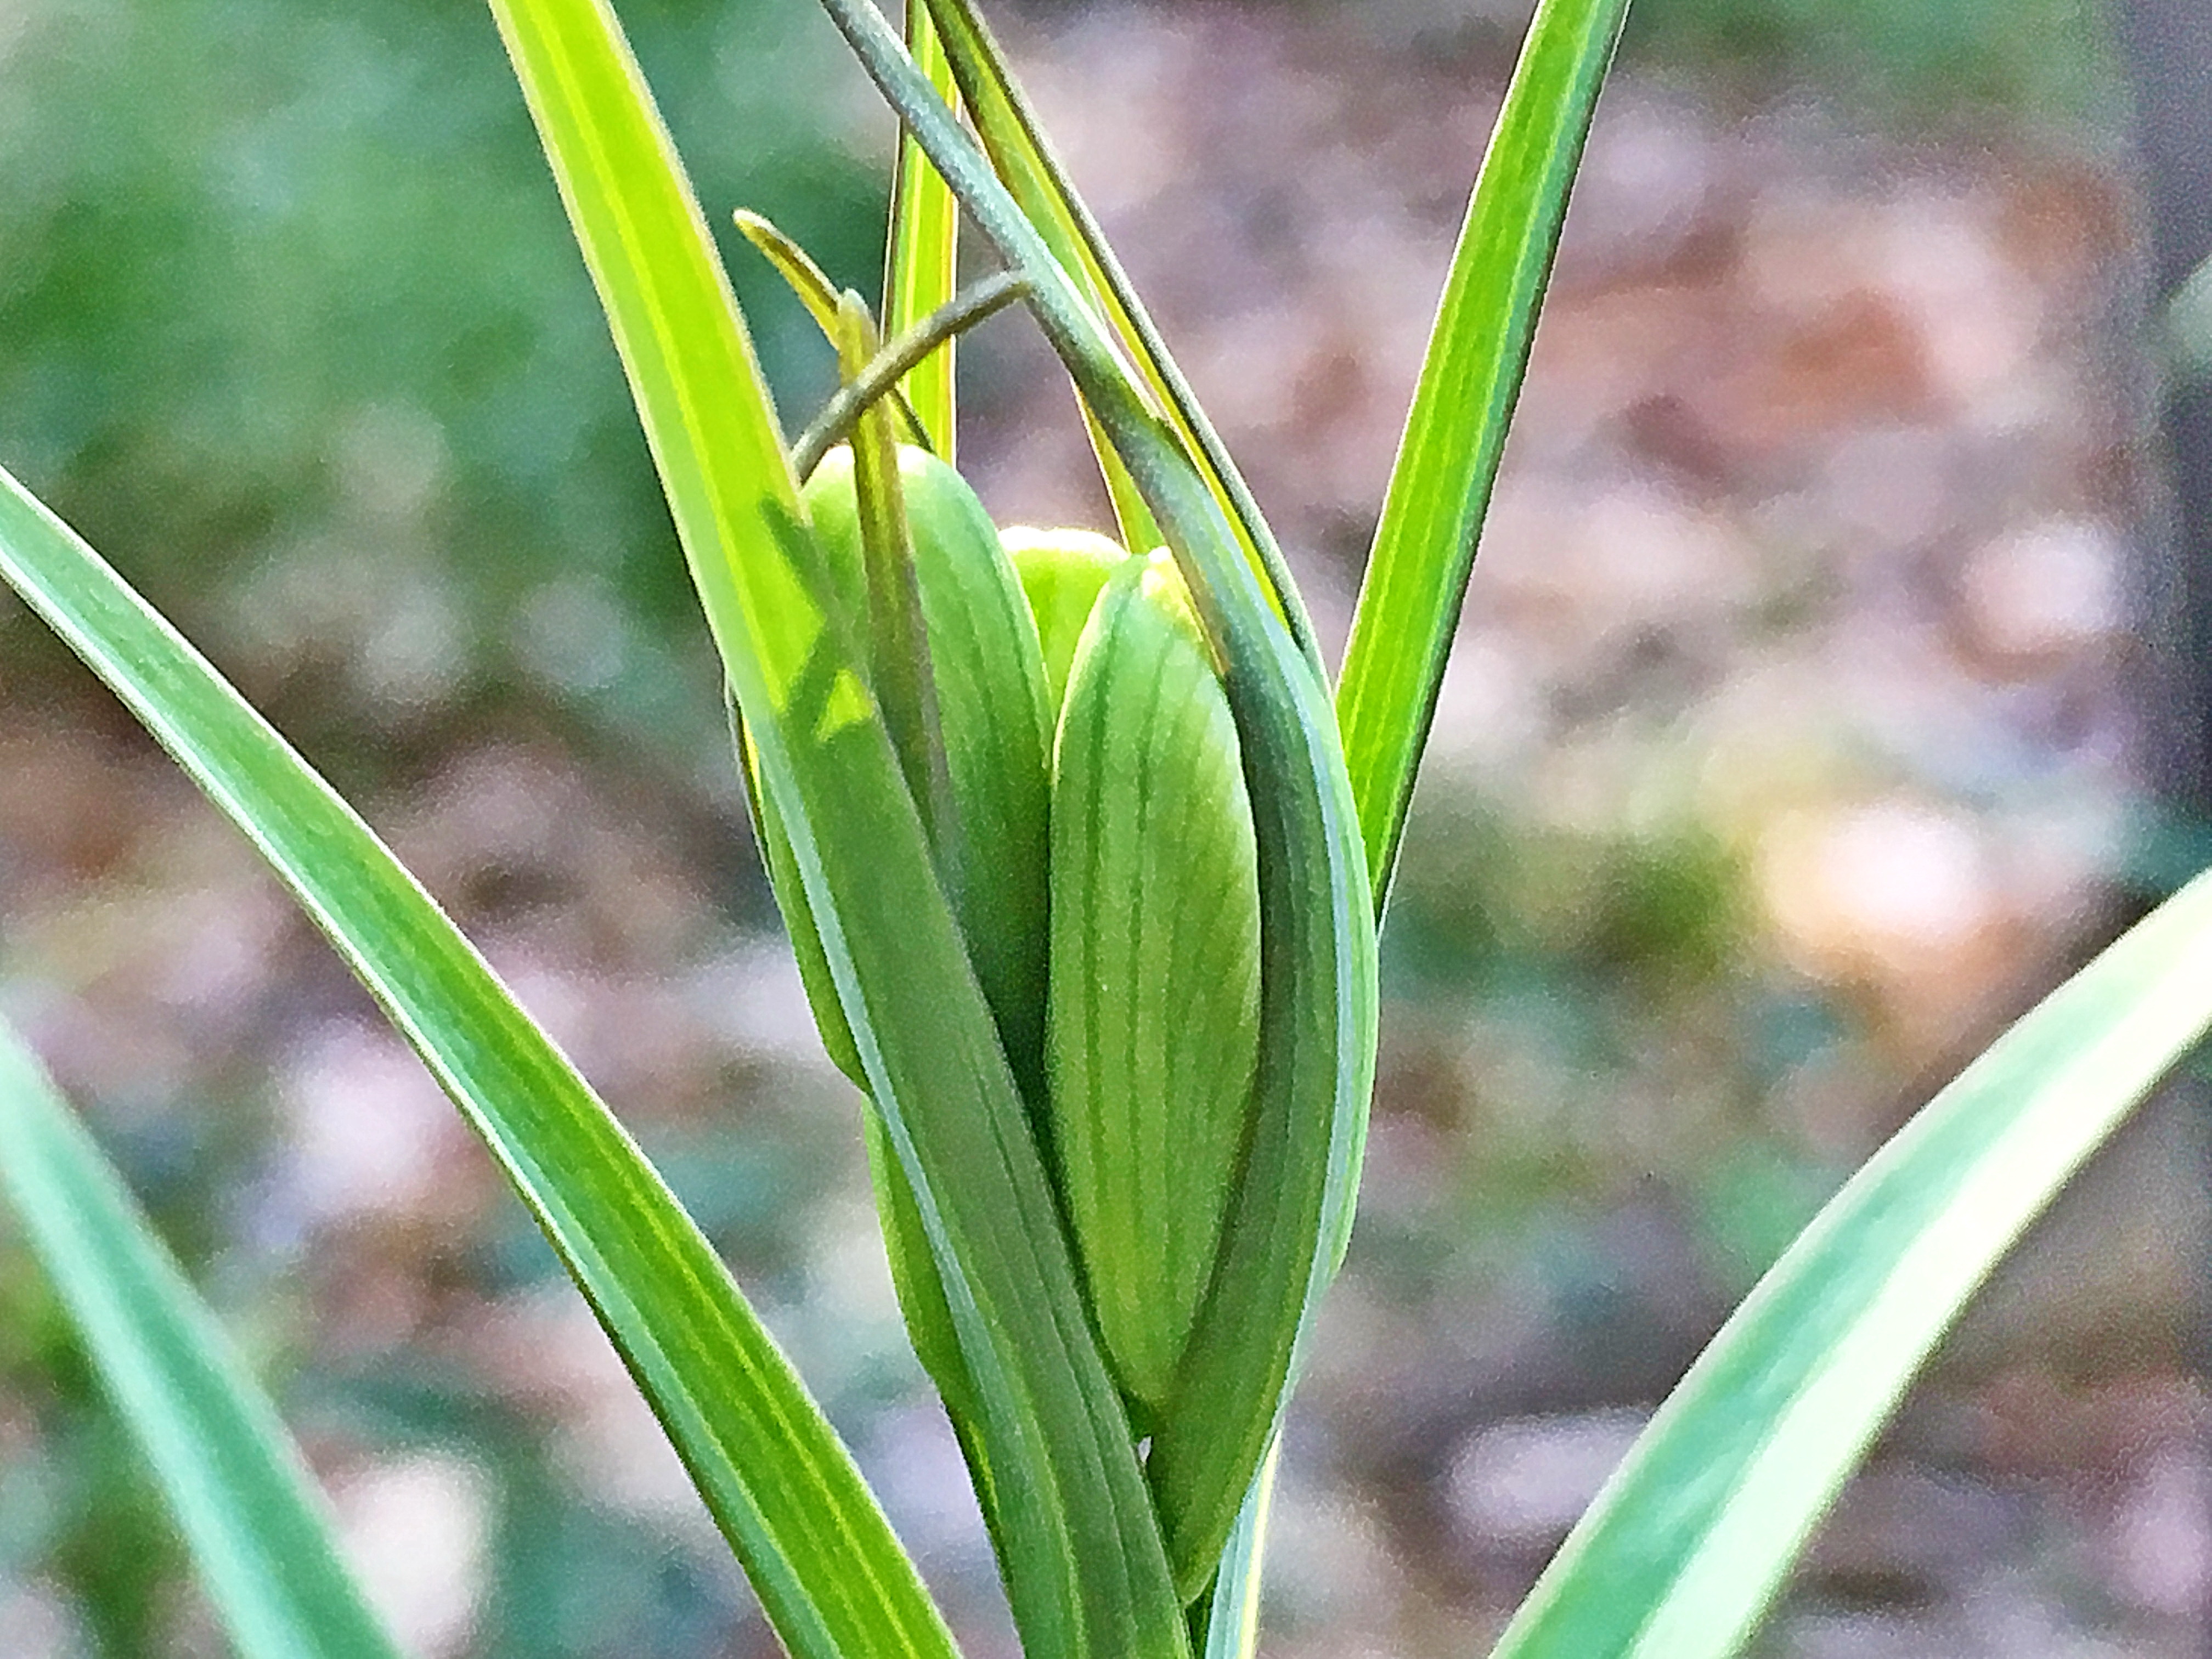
<point>1786,753</point>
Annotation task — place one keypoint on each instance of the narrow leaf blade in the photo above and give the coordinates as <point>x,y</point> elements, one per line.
<point>830,1575</point>
<point>1424,543</point>
<point>921,257</point>
<point>241,1494</point>
<point>1685,1547</point>
<point>1232,1608</point>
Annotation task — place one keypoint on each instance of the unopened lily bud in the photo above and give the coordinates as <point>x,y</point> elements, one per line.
<point>1152,1017</point>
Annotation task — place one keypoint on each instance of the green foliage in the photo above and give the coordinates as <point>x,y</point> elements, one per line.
<point>1120,1531</point>
<point>803,1518</point>
<point>1683,1549</point>
<point>1425,541</point>
<point>240,1494</point>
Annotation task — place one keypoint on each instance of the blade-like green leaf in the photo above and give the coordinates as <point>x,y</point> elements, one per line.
<point>830,1575</point>
<point>1027,165</point>
<point>1085,1567</point>
<point>1417,572</point>
<point>920,259</point>
<point>1232,1608</point>
<point>807,281</point>
<point>1682,1551</point>
<point>895,649</point>
<point>1292,1210</point>
<point>241,1495</point>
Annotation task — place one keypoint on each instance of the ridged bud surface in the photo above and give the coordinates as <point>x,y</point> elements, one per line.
<point>1153,1011</point>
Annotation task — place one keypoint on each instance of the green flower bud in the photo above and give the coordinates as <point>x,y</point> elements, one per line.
<point>988,692</point>
<point>1153,1015</point>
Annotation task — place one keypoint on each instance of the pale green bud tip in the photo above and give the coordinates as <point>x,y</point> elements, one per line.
<point>1061,572</point>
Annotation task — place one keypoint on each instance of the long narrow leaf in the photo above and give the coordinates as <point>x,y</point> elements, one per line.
<point>1028,167</point>
<point>830,1575</point>
<point>241,1494</point>
<point>1085,1567</point>
<point>1232,1616</point>
<point>1417,572</point>
<point>920,258</point>
<point>1683,1548</point>
<point>1292,1209</point>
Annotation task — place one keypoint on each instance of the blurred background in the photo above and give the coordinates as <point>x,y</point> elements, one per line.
<point>1809,718</point>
